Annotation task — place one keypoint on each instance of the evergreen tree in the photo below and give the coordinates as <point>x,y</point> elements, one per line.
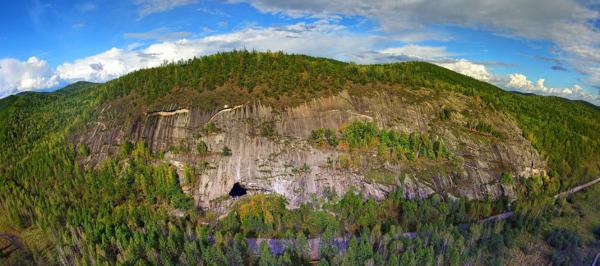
<point>266,256</point>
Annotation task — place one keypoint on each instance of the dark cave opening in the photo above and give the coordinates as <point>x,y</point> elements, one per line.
<point>237,190</point>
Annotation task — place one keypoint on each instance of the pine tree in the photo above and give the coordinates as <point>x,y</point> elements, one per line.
<point>266,256</point>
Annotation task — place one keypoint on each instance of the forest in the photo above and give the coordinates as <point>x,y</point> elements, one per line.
<point>565,132</point>
<point>120,211</point>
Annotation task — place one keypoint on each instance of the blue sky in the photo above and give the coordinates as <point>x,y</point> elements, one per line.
<point>550,49</point>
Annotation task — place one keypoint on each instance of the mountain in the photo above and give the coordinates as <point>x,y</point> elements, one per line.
<point>96,167</point>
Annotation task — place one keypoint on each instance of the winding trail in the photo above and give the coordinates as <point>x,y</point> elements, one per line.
<point>576,189</point>
<point>278,246</point>
<point>506,215</point>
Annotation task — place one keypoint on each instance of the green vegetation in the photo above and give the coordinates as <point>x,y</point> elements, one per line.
<point>360,134</point>
<point>507,179</point>
<point>211,128</point>
<point>567,133</point>
<point>267,129</point>
<point>573,233</point>
<point>487,128</point>
<point>83,150</point>
<point>563,239</point>
<point>178,148</point>
<point>392,144</point>
<point>126,148</point>
<point>96,208</point>
<point>39,121</point>
<point>446,113</point>
<point>381,176</point>
<point>202,148</point>
<point>118,211</point>
<point>322,136</point>
<point>226,151</point>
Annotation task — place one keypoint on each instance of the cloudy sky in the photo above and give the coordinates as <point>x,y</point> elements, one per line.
<point>549,47</point>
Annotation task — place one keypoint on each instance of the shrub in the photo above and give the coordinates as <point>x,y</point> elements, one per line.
<point>202,148</point>
<point>360,134</point>
<point>597,233</point>
<point>484,127</point>
<point>188,174</point>
<point>563,239</point>
<point>181,201</point>
<point>394,145</point>
<point>304,169</point>
<point>343,161</point>
<point>83,150</point>
<point>179,149</point>
<point>226,151</point>
<point>126,148</point>
<point>507,179</point>
<point>321,136</point>
<point>267,129</point>
<point>331,138</point>
<point>446,113</point>
<point>559,259</point>
<point>318,135</point>
<point>212,128</point>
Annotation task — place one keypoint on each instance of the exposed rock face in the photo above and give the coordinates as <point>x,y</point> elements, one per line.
<point>286,163</point>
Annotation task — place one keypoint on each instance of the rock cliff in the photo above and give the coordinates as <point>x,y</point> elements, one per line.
<point>271,149</point>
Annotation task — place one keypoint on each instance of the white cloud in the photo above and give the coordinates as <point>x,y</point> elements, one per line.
<point>519,81</point>
<point>525,18</point>
<point>418,52</point>
<point>104,66</point>
<point>17,76</point>
<point>437,55</point>
<point>148,7</point>
<point>522,83</point>
<point>592,73</point>
<point>327,39</point>
<point>86,7</point>
<point>569,24</point>
<point>78,25</point>
<point>161,34</point>
<point>465,67</point>
<point>116,62</point>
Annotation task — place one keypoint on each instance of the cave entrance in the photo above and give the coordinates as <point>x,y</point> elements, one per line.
<point>237,190</point>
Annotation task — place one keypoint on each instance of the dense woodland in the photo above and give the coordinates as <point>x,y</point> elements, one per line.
<point>566,133</point>
<point>119,213</point>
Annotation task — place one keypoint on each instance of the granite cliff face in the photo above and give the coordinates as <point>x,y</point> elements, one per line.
<point>283,160</point>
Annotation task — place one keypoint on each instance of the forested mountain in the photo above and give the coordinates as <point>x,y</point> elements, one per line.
<point>140,170</point>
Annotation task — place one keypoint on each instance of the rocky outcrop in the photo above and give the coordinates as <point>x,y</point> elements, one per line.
<point>285,162</point>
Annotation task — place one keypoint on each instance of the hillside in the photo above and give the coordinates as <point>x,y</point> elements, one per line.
<point>287,80</point>
<point>135,169</point>
<point>279,80</point>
